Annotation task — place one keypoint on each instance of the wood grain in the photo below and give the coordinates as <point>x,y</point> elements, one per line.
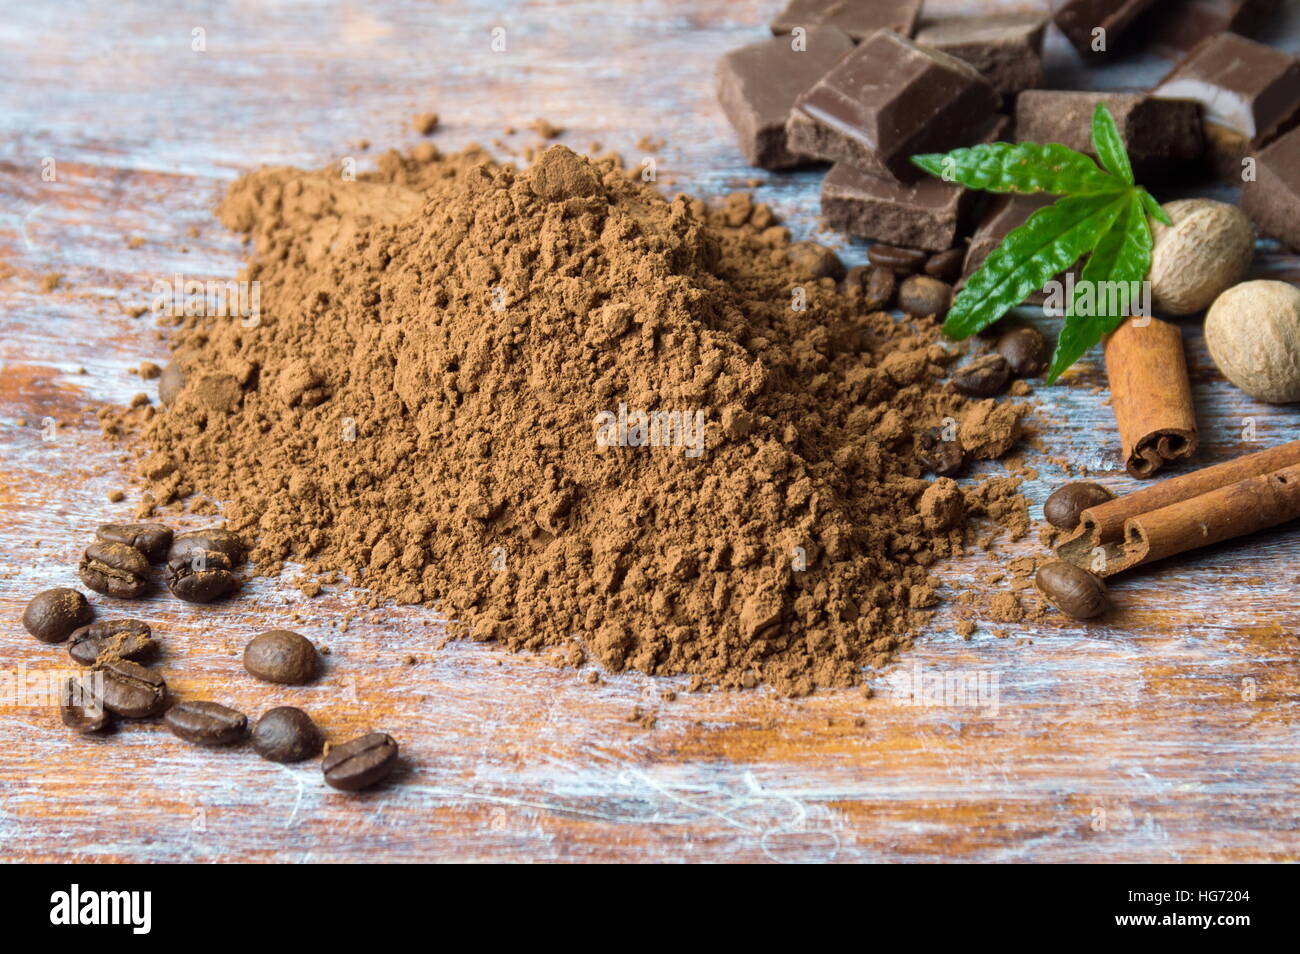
<point>1166,734</point>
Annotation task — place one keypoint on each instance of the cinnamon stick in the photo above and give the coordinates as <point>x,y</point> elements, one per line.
<point>1206,506</point>
<point>1151,394</point>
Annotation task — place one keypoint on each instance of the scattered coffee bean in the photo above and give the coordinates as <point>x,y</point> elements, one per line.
<point>1072,589</point>
<point>984,377</point>
<point>200,576</point>
<point>281,656</point>
<point>943,458</point>
<point>360,763</point>
<point>170,383</point>
<point>814,261</point>
<point>1025,350</point>
<point>286,734</point>
<point>81,710</point>
<point>115,569</point>
<point>902,261</point>
<point>52,615</point>
<point>151,539</point>
<point>922,296</point>
<point>879,289</point>
<point>111,639</point>
<point>1064,507</point>
<point>214,540</point>
<point>946,266</point>
<point>131,690</point>
<point>206,723</point>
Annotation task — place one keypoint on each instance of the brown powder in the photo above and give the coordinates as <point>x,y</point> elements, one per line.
<point>441,344</point>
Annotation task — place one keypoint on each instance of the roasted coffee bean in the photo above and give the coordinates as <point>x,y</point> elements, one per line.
<point>115,569</point>
<point>946,266</point>
<point>111,639</point>
<point>206,723</point>
<point>53,614</point>
<point>902,261</point>
<point>879,288</point>
<point>286,734</point>
<point>922,296</point>
<point>81,710</point>
<point>1072,589</point>
<point>281,656</point>
<point>200,576</point>
<point>1067,503</point>
<point>170,383</point>
<point>132,690</point>
<point>984,377</point>
<point>812,261</point>
<point>360,763</point>
<point>229,544</point>
<point>943,458</point>
<point>1025,349</point>
<point>151,539</point>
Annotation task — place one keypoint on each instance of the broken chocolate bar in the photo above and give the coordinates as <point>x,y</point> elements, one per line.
<point>929,214</point>
<point>1006,49</point>
<point>1178,27</point>
<point>758,84</point>
<point>1158,133</point>
<point>858,18</point>
<point>1272,197</point>
<point>1097,26</point>
<point>887,101</point>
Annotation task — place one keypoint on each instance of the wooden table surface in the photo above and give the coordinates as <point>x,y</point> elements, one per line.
<point>1167,733</point>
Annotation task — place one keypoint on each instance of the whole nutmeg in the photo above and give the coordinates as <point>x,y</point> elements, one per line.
<point>1253,333</point>
<point>1206,250</point>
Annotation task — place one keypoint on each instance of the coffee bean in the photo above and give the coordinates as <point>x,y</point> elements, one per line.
<point>1072,589</point>
<point>878,292</point>
<point>1025,350</point>
<point>281,656</point>
<point>214,540</point>
<point>922,296</point>
<point>943,458</point>
<point>206,723</point>
<point>132,690</point>
<point>115,569</point>
<point>111,639</point>
<point>200,576</point>
<point>984,377</point>
<point>812,261</point>
<point>946,266</point>
<point>53,614</point>
<point>170,383</point>
<point>902,261</point>
<point>286,734</point>
<point>1067,503</point>
<point>81,710</point>
<point>151,539</point>
<point>360,763</point>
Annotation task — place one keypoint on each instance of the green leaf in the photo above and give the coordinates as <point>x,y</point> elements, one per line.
<point>1051,241</point>
<point>1154,208</point>
<point>1109,144</point>
<point>1025,167</point>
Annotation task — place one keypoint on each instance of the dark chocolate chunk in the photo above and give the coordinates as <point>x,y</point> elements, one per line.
<point>1080,20</point>
<point>758,84</point>
<point>925,215</point>
<point>1177,29</point>
<point>1272,198</point>
<point>1005,48</point>
<point>857,18</point>
<point>887,101</point>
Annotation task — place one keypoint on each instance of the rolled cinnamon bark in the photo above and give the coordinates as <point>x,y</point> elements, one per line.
<point>1206,506</point>
<point>1151,394</point>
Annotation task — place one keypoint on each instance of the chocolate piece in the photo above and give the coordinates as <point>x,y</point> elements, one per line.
<point>1078,19</point>
<point>924,215</point>
<point>1180,28</point>
<point>757,85</point>
<point>858,18</point>
<point>1158,133</point>
<point>1006,48</point>
<point>1005,214</point>
<point>1272,198</point>
<point>887,101</point>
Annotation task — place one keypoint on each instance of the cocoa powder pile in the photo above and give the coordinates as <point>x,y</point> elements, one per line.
<point>421,408</point>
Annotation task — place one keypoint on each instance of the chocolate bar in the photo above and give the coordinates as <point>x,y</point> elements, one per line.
<point>1006,49</point>
<point>858,18</point>
<point>1158,133</point>
<point>1177,28</point>
<point>758,84</point>
<point>887,101</point>
<point>1080,19</point>
<point>1272,199</point>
